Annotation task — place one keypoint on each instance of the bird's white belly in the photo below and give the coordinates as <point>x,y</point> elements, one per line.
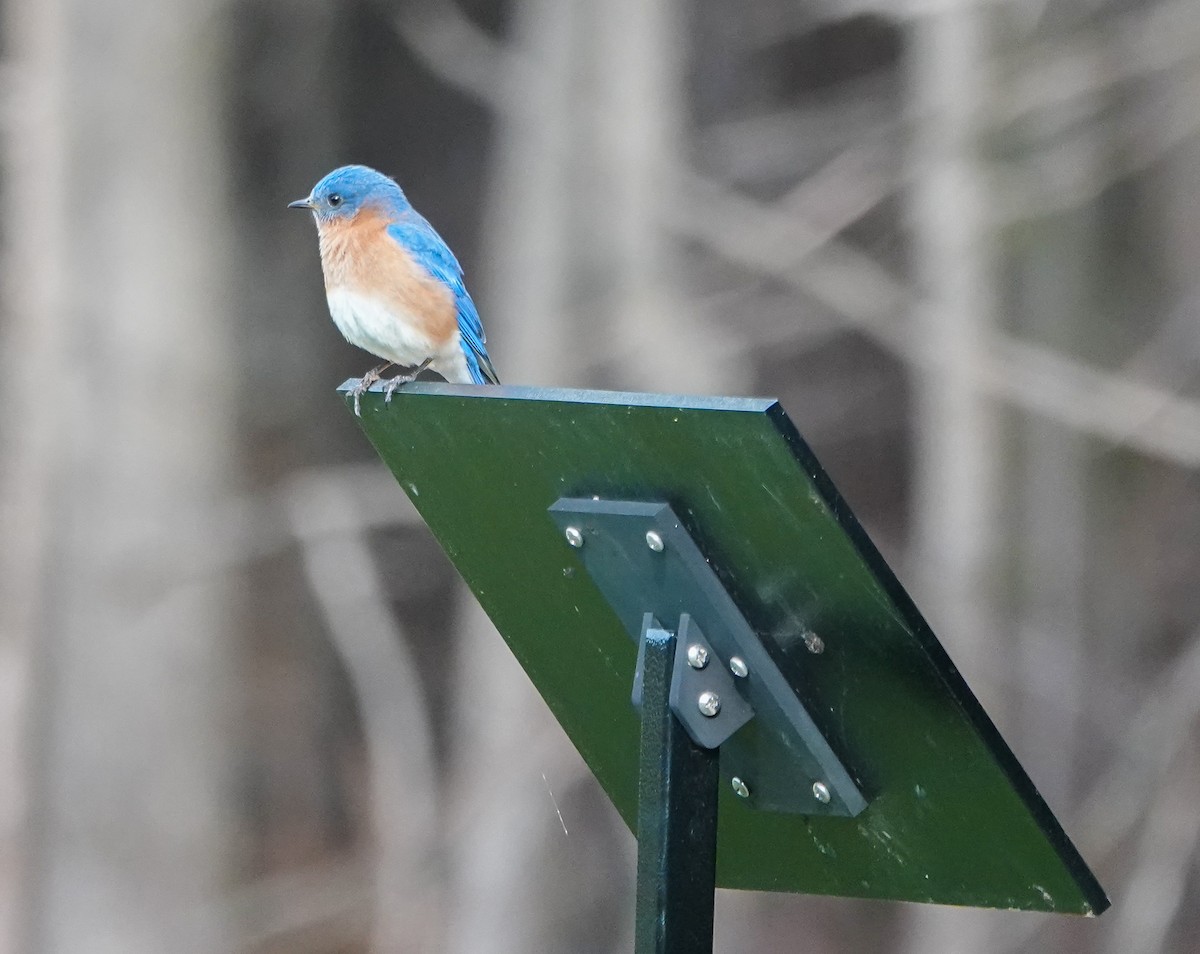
<point>365,322</point>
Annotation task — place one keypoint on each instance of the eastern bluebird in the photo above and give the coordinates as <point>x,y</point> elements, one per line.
<point>394,287</point>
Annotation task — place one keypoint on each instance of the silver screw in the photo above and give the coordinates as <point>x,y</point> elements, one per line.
<point>654,541</point>
<point>740,788</point>
<point>815,643</point>
<point>737,666</point>
<point>709,704</point>
<point>574,537</point>
<point>821,792</point>
<point>697,656</point>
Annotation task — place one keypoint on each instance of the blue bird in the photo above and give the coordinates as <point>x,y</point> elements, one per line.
<point>393,286</point>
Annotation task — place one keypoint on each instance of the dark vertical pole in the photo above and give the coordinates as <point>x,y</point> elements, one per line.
<point>677,820</point>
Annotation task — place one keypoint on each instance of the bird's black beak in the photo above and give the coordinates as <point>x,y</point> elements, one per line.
<point>301,204</point>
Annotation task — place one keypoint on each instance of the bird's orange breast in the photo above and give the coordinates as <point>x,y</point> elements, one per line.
<point>358,255</point>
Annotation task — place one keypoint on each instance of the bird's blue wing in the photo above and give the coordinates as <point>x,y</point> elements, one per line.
<point>432,253</point>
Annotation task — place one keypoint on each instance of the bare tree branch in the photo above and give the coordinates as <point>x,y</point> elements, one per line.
<point>1090,61</point>
<point>1121,411</point>
<point>1166,854</point>
<point>371,642</point>
<point>459,52</point>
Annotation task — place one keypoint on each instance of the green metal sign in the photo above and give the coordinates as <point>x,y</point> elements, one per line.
<point>950,816</point>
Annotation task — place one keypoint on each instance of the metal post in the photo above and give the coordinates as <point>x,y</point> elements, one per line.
<point>677,819</point>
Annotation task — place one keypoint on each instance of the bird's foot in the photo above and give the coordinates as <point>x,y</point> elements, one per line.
<point>390,388</point>
<point>364,385</point>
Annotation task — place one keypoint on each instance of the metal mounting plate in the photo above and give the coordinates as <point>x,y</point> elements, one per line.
<point>781,754</point>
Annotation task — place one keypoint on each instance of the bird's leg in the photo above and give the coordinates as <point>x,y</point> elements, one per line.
<point>400,379</point>
<point>365,383</point>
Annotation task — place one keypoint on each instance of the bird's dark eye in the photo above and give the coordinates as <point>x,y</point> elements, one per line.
<point>335,200</point>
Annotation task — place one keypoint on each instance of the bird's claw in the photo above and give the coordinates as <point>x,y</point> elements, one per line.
<point>390,387</point>
<point>364,385</point>
<point>358,391</point>
<point>375,374</point>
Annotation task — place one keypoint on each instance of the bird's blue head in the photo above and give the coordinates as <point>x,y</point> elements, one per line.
<point>343,193</point>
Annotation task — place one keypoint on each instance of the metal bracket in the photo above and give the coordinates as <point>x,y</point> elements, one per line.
<point>703,695</point>
<point>654,576</point>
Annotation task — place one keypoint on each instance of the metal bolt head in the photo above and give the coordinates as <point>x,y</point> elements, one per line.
<point>814,643</point>
<point>709,703</point>
<point>574,536</point>
<point>654,541</point>
<point>821,792</point>
<point>697,656</point>
<point>740,788</point>
<point>737,666</point>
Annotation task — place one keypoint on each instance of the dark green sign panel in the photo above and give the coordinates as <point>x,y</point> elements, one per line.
<point>950,815</point>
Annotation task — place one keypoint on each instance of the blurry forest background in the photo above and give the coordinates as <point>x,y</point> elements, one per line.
<point>245,703</point>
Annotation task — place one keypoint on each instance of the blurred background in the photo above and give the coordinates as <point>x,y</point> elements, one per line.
<point>245,703</point>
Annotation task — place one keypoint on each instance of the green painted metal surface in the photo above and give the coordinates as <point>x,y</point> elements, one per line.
<point>952,818</point>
